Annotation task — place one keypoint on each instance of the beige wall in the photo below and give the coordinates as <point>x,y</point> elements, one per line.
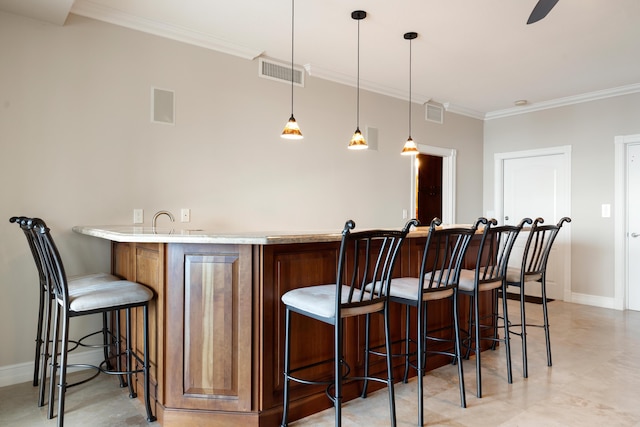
<point>78,148</point>
<point>589,128</point>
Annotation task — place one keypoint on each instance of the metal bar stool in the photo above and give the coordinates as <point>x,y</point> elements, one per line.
<point>43,331</point>
<point>442,259</point>
<point>533,270</point>
<point>94,298</point>
<point>489,275</point>
<point>365,258</point>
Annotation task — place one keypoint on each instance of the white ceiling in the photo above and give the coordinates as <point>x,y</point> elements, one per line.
<point>474,56</point>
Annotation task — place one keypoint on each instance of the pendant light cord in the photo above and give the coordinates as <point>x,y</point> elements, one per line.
<point>409,88</point>
<point>358,83</point>
<point>292,35</point>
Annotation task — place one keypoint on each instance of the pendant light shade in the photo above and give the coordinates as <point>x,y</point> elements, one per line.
<point>291,129</point>
<point>410,148</point>
<point>357,140</point>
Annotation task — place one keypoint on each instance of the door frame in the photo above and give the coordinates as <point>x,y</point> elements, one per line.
<point>620,276</point>
<point>449,159</point>
<point>565,151</point>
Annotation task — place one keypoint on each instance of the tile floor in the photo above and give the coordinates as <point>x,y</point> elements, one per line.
<point>594,381</point>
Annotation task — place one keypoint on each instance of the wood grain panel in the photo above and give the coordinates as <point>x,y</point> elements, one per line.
<point>209,327</point>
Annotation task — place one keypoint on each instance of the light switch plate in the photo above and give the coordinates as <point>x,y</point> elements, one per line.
<point>185,215</point>
<point>138,216</point>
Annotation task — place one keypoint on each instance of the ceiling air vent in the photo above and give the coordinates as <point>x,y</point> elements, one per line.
<point>434,112</point>
<point>272,70</point>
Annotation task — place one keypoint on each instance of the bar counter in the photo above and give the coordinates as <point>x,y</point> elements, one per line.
<point>217,321</point>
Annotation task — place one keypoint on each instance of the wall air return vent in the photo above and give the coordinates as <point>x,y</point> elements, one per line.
<point>279,71</point>
<point>434,112</point>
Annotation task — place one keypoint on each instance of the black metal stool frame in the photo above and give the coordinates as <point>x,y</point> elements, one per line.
<point>43,331</point>
<point>57,285</point>
<point>489,275</point>
<point>533,269</point>
<point>374,254</point>
<point>442,259</point>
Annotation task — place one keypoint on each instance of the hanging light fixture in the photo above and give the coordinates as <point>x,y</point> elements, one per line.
<point>410,148</point>
<point>291,129</point>
<point>357,140</point>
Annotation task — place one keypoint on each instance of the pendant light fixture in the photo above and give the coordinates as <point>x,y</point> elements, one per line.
<point>410,148</point>
<point>291,129</point>
<point>357,140</point>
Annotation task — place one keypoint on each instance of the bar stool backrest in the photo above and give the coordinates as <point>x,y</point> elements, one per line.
<point>538,247</point>
<point>366,257</point>
<point>495,250</point>
<point>443,255</point>
<point>56,278</point>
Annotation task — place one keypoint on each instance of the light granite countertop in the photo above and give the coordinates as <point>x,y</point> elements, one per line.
<point>139,234</point>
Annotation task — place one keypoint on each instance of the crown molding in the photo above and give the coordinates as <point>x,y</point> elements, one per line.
<point>463,111</point>
<point>113,16</point>
<point>348,80</point>
<point>569,100</point>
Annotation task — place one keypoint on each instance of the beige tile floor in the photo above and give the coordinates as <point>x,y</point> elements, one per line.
<point>594,381</point>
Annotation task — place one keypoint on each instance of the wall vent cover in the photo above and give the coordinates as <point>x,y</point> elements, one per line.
<point>273,70</point>
<point>434,112</point>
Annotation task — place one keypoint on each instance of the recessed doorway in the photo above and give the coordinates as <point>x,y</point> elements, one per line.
<point>447,159</point>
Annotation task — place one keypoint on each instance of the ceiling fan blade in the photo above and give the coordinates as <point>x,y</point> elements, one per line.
<point>543,7</point>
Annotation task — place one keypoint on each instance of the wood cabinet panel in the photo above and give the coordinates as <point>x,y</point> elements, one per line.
<point>287,267</point>
<point>209,327</point>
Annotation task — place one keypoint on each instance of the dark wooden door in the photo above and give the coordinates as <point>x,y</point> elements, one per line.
<point>429,197</point>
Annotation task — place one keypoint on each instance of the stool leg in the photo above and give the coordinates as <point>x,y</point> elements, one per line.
<point>128,350</point>
<point>147,399</point>
<point>105,340</point>
<point>45,351</point>
<point>456,326</point>
<point>337,388</point>
<point>53,361</point>
<point>39,340</point>
<point>420,312</point>
<point>523,321</point>
<point>62,384</point>
<point>546,319</point>
<point>476,314</point>
<point>366,355</point>
<point>287,337</point>
<point>507,336</point>
<point>118,345</point>
<point>387,339</point>
<point>406,343</point>
<point>469,338</point>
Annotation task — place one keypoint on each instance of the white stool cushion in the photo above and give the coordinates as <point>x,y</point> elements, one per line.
<point>467,282</point>
<point>513,276</point>
<point>90,279</point>
<point>320,301</point>
<point>99,294</point>
<point>407,288</point>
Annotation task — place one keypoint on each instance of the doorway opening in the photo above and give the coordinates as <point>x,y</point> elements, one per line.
<point>429,188</point>
<point>626,271</point>
<point>446,157</point>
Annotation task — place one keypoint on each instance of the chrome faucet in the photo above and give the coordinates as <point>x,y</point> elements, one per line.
<point>157,214</point>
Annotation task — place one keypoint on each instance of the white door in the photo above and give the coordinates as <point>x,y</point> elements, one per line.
<point>536,184</point>
<point>633,217</point>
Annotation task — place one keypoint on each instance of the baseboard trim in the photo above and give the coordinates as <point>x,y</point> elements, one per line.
<point>23,372</point>
<point>594,300</point>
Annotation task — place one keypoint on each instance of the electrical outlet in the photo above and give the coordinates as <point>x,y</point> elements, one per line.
<point>185,215</point>
<point>138,216</point>
<point>404,214</point>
